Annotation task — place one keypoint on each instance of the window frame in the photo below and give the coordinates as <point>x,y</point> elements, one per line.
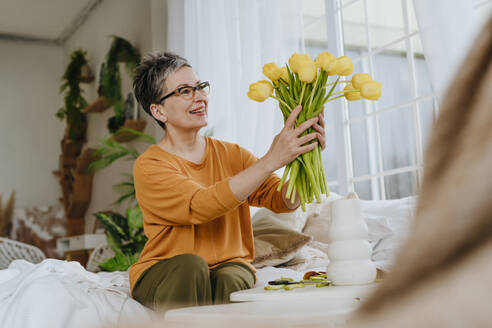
<point>342,121</point>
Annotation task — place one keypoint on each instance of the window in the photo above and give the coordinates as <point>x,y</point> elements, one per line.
<point>374,148</point>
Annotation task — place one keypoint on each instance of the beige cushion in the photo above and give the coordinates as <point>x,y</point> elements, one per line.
<point>318,222</point>
<point>275,242</point>
<point>294,220</point>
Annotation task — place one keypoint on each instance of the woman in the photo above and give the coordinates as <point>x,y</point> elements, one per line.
<point>195,192</point>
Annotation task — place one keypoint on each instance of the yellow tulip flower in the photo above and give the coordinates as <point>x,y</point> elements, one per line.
<point>324,59</point>
<point>284,75</point>
<point>261,90</point>
<point>359,79</point>
<point>272,71</point>
<point>307,71</point>
<point>352,95</point>
<point>371,90</point>
<point>296,59</point>
<point>341,66</point>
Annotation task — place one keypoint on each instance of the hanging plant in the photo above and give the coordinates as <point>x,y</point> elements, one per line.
<point>74,101</point>
<point>121,51</point>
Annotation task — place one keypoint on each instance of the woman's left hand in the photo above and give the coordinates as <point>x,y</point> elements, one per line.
<point>320,127</point>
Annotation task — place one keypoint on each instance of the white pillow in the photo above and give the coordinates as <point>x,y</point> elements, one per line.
<point>379,229</point>
<point>399,215</point>
<point>399,212</point>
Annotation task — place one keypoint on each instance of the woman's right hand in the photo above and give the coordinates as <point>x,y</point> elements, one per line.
<point>288,144</point>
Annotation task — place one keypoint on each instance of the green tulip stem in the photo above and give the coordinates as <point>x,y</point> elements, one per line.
<point>282,81</point>
<point>310,175</point>
<point>301,193</point>
<point>292,177</point>
<point>302,92</point>
<point>282,102</point>
<point>334,98</point>
<point>293,196</point>
<point>314,89</point>
<point>284,177</point>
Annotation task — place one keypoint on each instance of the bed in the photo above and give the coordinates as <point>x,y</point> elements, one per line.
<point>56,293</point>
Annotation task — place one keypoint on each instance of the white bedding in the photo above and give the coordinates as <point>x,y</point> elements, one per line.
<point>61,294</point>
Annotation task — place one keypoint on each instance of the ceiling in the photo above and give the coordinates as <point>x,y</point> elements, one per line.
<point>43,20</point>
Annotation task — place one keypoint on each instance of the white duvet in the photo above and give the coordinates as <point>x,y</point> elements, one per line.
<point>61,294</point>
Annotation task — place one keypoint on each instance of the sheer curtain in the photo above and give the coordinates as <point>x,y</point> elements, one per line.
<point>227,42</point>
<point>448,29</point>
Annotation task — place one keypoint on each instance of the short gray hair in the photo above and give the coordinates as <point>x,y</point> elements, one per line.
<point>150,75</point>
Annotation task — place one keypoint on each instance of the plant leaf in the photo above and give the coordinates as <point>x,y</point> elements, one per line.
<point>119,262</point>
<point>135,219</point>
<point>114,224</point>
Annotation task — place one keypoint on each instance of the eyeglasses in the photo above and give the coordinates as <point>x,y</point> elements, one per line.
<point>188,92</point>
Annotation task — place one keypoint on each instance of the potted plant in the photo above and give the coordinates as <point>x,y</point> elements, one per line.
<point>124,234</point>
<point>121,51</point>
<point>74,101</point>
<point>75,190</point>
<point>76,121</point>
<point>130,111</point>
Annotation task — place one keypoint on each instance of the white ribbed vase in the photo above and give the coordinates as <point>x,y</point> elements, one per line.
<point>349,251</point>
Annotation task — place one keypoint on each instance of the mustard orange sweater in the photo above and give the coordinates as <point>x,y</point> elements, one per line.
<point>190,208</point>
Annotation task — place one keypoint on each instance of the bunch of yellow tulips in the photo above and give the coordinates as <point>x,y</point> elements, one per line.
<point>305,82</point>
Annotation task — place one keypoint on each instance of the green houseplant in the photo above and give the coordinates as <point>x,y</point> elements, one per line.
<point>76,186</point>
<point>125,237</point>
<point>74,101</point>
<point>124,233</point>
<point>121,51</point>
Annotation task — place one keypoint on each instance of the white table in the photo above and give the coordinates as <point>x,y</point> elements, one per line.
<point>300,307</point>
<point>284,314</point>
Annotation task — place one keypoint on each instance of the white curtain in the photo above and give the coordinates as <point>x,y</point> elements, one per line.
<point>448,29</point>
<point>227,42</point>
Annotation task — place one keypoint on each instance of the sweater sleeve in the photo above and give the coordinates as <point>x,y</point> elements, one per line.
<point>265,195</point>
<point>175,199</point>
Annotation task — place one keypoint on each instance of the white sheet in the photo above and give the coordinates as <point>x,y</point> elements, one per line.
<point>63,294</point>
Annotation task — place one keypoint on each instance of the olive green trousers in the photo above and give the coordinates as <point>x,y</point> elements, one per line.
<point>185,280</point>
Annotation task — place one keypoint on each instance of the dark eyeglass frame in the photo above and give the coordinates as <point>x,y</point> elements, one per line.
<point>200,86</point>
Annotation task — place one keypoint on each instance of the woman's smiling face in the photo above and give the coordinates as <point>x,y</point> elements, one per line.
<point>180,112</point>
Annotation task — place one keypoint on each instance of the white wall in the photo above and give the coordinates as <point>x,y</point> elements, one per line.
<point>30,78</point>
<point>131,20</point>
<point>30,133</point>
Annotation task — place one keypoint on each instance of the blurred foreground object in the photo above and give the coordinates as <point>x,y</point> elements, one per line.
<point>441,275</point>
